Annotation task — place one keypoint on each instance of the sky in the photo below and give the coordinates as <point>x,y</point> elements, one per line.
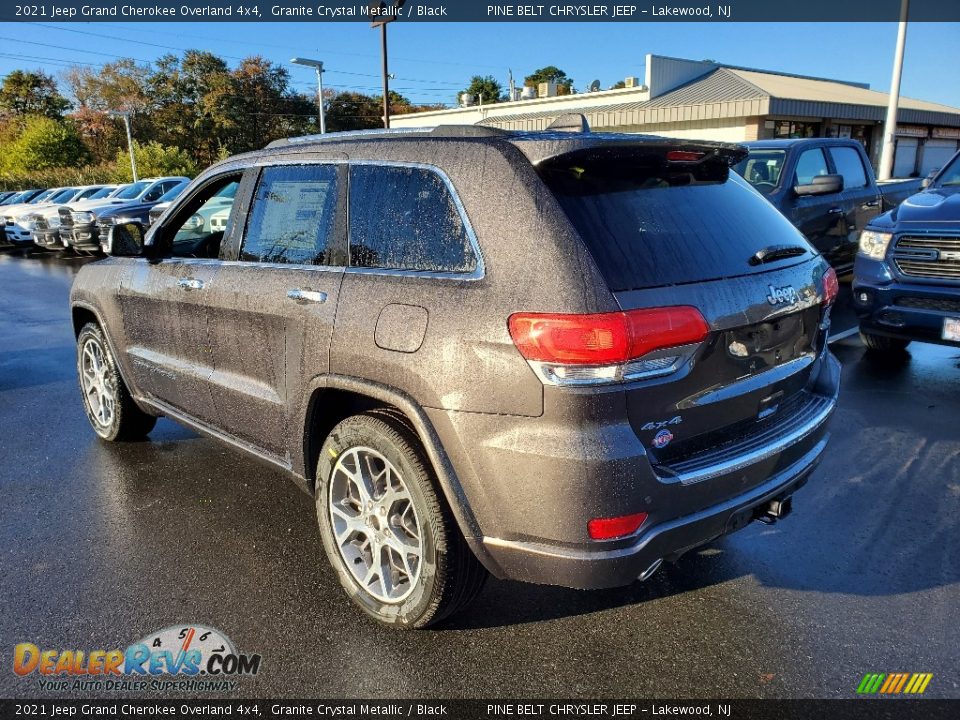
<point>433,61</point>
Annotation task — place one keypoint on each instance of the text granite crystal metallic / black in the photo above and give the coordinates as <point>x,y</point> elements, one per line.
<point>559,357</point>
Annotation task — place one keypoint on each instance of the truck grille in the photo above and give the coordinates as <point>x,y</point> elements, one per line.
<point>940,304</point>
<point>66,218</point>
<point>41,223</point>
<point>928,257</point>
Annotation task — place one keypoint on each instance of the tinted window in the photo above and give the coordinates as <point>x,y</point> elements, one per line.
<point>950,175</point>
<point>42,197</point>
<point>811,164</point>
<point>849,165</point>
<point>101,193</point>
<point>64,196</point>
<point>404,218</point>
<point>762,169</point>
<point>294,216</point>
<point>132,191</point>
<point>174,192</point>
<point>649,226</point>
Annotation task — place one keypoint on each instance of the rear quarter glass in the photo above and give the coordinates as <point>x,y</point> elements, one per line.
<point>650,226</point>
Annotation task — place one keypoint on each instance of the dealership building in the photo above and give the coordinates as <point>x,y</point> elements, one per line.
<point>712,101</point>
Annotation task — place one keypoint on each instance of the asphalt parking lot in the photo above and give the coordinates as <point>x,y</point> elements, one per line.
<point>102,544</point>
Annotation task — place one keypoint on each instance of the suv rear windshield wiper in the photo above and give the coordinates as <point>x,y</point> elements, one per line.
<point>776,252</point>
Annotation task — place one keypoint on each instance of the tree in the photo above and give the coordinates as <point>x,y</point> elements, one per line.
<point>31,93</point>
<point>485,86</point>
<point>43,143</point>
<point>619,85</point>
<point>354,111</point>
<point>154,159</point>
<point>551,73</point>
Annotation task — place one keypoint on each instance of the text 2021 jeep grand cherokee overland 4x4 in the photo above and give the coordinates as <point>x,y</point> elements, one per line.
<point>558,357</point>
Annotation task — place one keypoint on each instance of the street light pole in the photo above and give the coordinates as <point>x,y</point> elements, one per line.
<point>386,76</point>
<point>125,114</point>
<point>890,126</point>
<point>318,66</point>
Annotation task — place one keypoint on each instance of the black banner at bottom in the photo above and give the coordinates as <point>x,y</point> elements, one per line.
<point>893,708</point>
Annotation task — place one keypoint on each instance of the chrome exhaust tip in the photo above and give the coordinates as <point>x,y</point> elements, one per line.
<point>645,575</point>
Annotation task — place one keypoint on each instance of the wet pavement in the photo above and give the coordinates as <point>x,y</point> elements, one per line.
<point>102,544</point>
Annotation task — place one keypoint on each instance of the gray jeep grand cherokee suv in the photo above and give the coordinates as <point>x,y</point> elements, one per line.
<point>558,357</point>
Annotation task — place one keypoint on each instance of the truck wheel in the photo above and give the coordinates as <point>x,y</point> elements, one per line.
<point>386,529</point>
<point>110,409</point>
<point>882,343</point>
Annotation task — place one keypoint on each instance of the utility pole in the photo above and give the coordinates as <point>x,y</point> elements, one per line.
<point>890,126</point>
<point>125,114</point>
<point>318,66</point>
<point>382,14</point>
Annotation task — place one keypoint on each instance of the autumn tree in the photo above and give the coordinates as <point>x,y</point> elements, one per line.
<point>31,93</point>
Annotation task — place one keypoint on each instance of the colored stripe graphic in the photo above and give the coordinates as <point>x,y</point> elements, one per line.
<point>894,683</point>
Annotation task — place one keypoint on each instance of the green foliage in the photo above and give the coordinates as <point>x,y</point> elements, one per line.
<point>41,144</point>
<point>153,159</point>
<point>31,93</point>
<point>487,86</point>
<point>550,73</point>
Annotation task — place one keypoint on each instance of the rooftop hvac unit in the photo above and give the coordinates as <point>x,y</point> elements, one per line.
<point>466,99</point>
<point>547,89</point>
<point>528,93</point>
<point>632,82</point>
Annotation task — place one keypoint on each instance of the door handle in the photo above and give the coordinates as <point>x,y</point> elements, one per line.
<point>302,297</point>
<point>872,204</point>
<point>190,284</point>
<point>835,211</point>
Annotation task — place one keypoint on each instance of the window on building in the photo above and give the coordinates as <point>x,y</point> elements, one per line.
<point>404,218</point>
<point>792,129</point>
<point>294,216</point>
<point>849,165</point>
<point>811,163</point>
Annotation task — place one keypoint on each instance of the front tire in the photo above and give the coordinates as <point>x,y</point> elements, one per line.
<point>386,530</point>
<point>110,408</point>
<point>883,344</point>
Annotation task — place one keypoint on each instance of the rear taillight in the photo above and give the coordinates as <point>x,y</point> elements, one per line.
<point>609,528</point>
<point>831,287</point>
<point>607,347</point>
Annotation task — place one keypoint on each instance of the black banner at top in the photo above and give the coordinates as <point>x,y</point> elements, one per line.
<point>623,11</point>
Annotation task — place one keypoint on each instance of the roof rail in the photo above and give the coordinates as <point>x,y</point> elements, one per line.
<point>453,131</point>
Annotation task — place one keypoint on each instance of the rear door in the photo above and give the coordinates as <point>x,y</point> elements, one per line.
<point>272,310</point>
<point>821,218</point>
<point>861,199</point>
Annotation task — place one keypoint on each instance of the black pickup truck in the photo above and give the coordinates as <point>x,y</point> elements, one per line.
<point>906,283</point>
<point>826,188</point>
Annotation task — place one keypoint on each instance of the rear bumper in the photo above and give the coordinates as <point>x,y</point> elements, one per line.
<point>535,499</point>
<point>593,569</point>
<point>909,311</point>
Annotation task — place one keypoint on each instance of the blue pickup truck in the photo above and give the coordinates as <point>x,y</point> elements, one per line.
<point>906,282</point>
<point>826,188</point>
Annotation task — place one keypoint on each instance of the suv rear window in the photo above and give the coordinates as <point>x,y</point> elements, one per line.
<point>648,223</point>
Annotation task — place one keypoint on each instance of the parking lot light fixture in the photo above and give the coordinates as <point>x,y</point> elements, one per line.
<point>125,114</point>
<point>318,66</point>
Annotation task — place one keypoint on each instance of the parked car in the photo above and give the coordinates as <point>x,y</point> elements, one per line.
<point>46,221</point>
<point>540,355</point>
<point>16,234</point>
<point>20,226</point>
<point>906,283</point>
<point>78,226</point>
<point>17,198</point>
<point>824,186</point>
<point>133,212</point>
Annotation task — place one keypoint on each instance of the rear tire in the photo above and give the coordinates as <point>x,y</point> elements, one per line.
<point>883,344</point>
<point>110,408</point>
<point>386,528</point>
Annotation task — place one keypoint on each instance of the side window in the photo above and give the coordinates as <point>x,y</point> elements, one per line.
<point>811,163</point>
<point>849,164</point>
<point>404,218</point>
<point>198,227</point>
<point>294,216</point>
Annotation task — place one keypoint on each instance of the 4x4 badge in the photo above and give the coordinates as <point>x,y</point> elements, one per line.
<point>785,295</point>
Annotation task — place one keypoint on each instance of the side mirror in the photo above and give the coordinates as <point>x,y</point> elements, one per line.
<point>821,185</point>
<point>125,240</point>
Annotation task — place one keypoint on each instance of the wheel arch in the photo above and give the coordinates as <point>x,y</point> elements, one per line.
<point>332,398</point>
